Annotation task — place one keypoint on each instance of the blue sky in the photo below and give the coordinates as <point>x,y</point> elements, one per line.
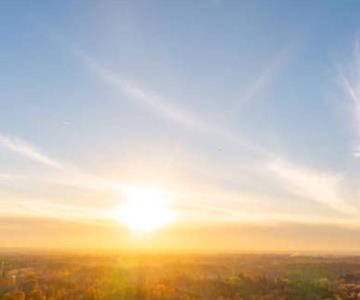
<point>241,109</point>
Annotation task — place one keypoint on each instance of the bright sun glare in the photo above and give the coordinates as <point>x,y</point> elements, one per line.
<point>145,210</point>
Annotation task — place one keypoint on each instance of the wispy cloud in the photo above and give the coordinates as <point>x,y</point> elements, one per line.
<point>68,174</point>
<point>312,184</point>
<point>5,176</point>
<point>27,150</point>
<point>322,187</point>
<point>162,107</point>
<point>351,85</point>
<point>307,182</point>
<point>267,76</point>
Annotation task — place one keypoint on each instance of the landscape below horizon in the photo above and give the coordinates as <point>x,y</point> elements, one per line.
<point>66,276</point>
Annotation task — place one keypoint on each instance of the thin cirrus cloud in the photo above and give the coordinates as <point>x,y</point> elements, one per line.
<point>28,150</point>
<point>69,174</point>
<point>351,85</point>
<point>322,187</point>
<point>266,77</point>
<point>309,183</point>
<point>5,176</point>
<point>312,184</point>
<point>162,107</point>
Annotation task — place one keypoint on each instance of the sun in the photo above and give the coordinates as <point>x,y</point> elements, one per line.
<point>145,210</point>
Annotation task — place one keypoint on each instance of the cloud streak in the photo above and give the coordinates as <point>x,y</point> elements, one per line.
<point>164,108</point>
<point>322,187</point>
<point>68,174</point>
<point>267,76</point>
<point>351,86</point>
<point>306,182</point>
<point>27,150</point>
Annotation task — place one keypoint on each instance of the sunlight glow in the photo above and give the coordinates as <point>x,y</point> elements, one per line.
<point>145,210</point>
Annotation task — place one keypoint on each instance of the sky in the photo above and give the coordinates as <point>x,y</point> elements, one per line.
<point>244,114</point>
